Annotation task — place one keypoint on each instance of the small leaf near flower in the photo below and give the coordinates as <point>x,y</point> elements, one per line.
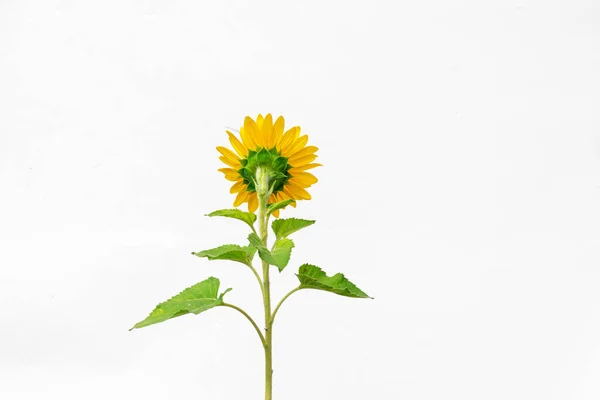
<point>231,252</point>
<point>279,205</point>
<point>313,277</point>
<point>247,217</point>
<point>285,227</point>
<point>195,299</point>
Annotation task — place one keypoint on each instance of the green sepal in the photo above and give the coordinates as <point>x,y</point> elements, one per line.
<point>233,252</point>
<point>270,159</point>
<point>285,227</point>
<point>195,299</point>
<point>279,205</point>
<point>247,217</point>
<point>280,163</point>
<point>313,277</point>
<point>276,175</point>
<point>245,173</point>
<point>279,255</point>
<point>263,157</point>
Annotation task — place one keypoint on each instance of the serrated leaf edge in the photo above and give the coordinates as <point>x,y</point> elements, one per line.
<point>324,289</point>
<point>219,299</point>
<point>281,221</point>
<point>253,217</point>
<point>279,205</point>
<point>213,258</point>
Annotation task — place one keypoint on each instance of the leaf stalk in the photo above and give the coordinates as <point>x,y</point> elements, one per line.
<point>245,314</point>
<point>281,302</point>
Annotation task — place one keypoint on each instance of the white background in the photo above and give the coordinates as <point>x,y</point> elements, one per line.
<point>460,188</point>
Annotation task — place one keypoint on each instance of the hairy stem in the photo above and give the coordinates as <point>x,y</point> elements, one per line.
<point>262,189</point>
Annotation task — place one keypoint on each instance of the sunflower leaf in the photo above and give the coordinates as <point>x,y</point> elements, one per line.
<point>282,251</point>
<point>263,252</point>
<point>285,227</point>
<point>279,255</point>
<point>195,299</point>
<point>279,205</point>
<point>313,277</point>
<point>247,217</point>
<point>231,252</point>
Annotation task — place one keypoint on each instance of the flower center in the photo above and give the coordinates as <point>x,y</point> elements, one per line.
<point>271,163</point>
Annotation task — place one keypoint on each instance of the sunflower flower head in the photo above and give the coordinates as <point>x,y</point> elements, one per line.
<point>279,159</point>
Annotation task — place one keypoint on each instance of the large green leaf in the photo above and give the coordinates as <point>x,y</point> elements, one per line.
<point>313,277</point>
<point>279,254</point>
<point>231,252</point>
<point>195,299</point>
<point>279,205</point>
<point>285,227</point>
<point>247,217</point>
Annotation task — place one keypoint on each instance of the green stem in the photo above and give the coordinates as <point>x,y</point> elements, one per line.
<point>262,189</point>
<point>257,277</point>
<point>245,314</point>
<point>281,302</point>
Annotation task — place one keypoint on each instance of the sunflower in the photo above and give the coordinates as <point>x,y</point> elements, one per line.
<point>285,155</point>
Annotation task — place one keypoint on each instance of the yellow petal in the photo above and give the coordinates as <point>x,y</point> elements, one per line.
<point>298,192</point>
<point>237,187</point>
<point>272,198</point>
<point>267,129</point>
<point>281,196</point>
<point>290,195</point>
<point>278,131</point>
<point>233,164</point>
<point>307,151</point>
<point>304,179</point>
<point>247,139</point>
<point>231,174</point>
<point>252,202</point>
<point>304,168</point>
<point>228,154</point>
<point>240,198</point>
<point>296,146</point>
<point>304,152</point>
<point>259,120</point>
<point>237,145</point>
<point>254,131</point>
<point>288,137</point>
<point>302,160</point>
<point>276,213</point>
